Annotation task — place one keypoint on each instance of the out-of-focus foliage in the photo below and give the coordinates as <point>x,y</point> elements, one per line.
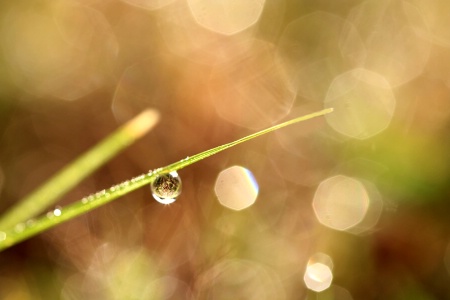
<point>361,195</point>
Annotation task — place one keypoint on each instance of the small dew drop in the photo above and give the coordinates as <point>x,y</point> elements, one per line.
<point>84,200</point>
<point>30,223</point>
<point>2,236</point>
<point>57,212</point>
<point>138,178</point>
<point>166,187</point>
<point>124,184</point>
<point>19,227</point>
<point>100,194</point>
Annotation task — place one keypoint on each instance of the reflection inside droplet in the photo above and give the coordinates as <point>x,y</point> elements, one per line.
<point>166,188</point>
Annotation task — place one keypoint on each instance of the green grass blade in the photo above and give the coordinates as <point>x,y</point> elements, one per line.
<point>39,200</point>
<point>30,228</point>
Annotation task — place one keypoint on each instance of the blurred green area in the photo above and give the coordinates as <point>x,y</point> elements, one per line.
<point>72,72</point>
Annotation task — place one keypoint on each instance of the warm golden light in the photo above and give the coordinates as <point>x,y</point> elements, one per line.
<point>363,104</point>
<point>252,92</point>
<point>435,14</point>
<point>58,50</point>
<point>236,188</point>
<point>396,47</point>
<point>341,202</point>
<point>239,279</point>
<point>101,100</point>
<point>313,60</point>
<point>149,4</point>
<point>318,277</point>
<point>226,17</point>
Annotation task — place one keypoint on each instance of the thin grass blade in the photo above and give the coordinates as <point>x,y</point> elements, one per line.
<point>39,200</point>
<point>30,228</point>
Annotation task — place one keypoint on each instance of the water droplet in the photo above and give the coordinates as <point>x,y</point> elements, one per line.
<point>124,184</point>
<point>57,212</point>
<point>30,222</point>
<point>19,227</point>
<point>138,178</point>
<point>166,187</point>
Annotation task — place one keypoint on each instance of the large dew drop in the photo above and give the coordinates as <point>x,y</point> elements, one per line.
<point>166,188</point>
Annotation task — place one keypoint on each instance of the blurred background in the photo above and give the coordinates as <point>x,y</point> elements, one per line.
<point>354,205</point>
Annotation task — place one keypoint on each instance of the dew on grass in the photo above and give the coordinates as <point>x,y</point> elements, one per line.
<point>166,187</point>
<point>19,227</point>
<point>124,184</point>
<point>57,212</point>
<point>341,202</point>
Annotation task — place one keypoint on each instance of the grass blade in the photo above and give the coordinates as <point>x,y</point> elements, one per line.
<point>30,228</point>
<point>67,178</point>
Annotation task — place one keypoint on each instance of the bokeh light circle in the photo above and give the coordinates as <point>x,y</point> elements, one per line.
<point>313,60</point>
<point>149,4</point>
<point>394,35</point>
<point>363,104</point>
<point>435,13</point>
<point>241,279</point>
<point>252,91</point>
<point>226,17</point>
<point>341,202</point>
<point>318,277</point>
<point>236,188</point>
<point>61,50</point>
